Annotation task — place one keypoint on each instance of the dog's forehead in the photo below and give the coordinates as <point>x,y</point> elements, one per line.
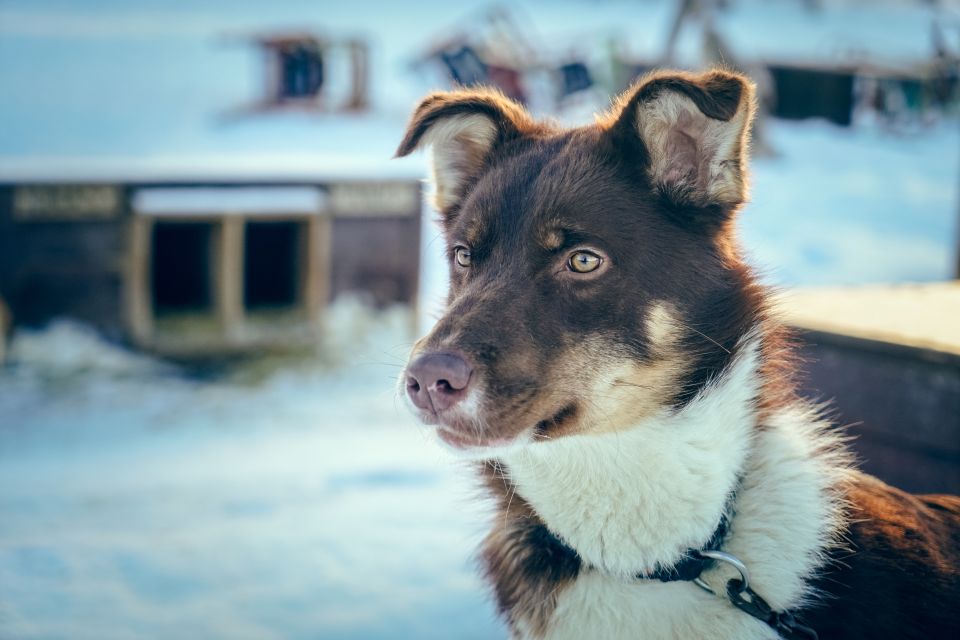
<point>540,192</point>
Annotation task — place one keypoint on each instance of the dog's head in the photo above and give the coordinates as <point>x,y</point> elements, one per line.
<point>594,276</point>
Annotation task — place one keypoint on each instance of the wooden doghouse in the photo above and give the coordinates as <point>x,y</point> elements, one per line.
<point>193,269</point>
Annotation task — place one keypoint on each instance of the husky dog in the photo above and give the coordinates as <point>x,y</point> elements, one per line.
<point>614,366</point>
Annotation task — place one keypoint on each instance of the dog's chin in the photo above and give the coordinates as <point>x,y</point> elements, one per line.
<point>467,439</point>
<point>470,446</point>
<point>463,438</point>
<point>466,436</point>
<point>462,433</point>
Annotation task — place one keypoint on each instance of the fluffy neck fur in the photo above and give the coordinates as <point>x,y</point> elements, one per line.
<point>630,501</point>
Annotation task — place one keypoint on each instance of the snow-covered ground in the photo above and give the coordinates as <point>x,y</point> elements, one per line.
<point>851,206</point>
<point>293,501</point>
<point>297,498</point>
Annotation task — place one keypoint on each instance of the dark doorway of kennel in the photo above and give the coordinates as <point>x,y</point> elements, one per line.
<point>180,267</point>
<point>272,277</point>
<point>222,269</point>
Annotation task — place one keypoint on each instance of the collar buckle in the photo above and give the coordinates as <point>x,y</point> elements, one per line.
<point>728,558</point>
<point>747,600</point>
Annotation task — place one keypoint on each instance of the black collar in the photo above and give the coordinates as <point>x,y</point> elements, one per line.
<point>785,623</point>
<point>693,564</point>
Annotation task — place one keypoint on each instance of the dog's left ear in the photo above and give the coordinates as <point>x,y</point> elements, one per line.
<point>694,131</point>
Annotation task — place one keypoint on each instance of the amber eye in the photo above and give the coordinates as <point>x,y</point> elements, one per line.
<point>584,262</point>
<point>462,255</point>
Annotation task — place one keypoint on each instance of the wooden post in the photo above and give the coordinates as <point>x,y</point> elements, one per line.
<point>229,292</point>
<point>315,266</point>
<point>137,275</point>
<point>5,328</point>
<point>309,265</point>
<point>956,270</point>
<point>359,84</point>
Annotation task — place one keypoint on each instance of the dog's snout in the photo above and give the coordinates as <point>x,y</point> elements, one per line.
<point>438,381</point>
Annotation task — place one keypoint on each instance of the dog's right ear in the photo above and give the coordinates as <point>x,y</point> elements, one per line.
<point>463,127</point>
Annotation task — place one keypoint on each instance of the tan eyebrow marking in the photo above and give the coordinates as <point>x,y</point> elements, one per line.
<point>551,239</point>
<point>475,232</point>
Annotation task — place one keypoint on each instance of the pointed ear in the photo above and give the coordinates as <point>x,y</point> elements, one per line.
<point>694,130</point>
<point>463,127</point>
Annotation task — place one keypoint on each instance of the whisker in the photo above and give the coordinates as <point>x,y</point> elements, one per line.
<point>702,335</point>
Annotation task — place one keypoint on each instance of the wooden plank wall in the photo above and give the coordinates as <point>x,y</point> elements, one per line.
<point>53,268</point>
<point>379,261</point>
<point>901,404</point>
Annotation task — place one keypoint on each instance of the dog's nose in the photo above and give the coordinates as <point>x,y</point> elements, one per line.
<point>437,381</point>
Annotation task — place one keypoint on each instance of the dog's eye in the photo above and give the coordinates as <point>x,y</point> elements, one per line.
<point>462,256</point>
<point>584,262</point>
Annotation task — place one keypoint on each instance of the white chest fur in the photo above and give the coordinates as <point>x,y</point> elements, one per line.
<point>598,606</point>
<point>631,501</point>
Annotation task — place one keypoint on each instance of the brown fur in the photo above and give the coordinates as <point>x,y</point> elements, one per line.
<point>899,577</point>
<point>527,566</point>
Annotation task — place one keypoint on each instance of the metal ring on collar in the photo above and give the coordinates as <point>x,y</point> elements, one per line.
<point>730,559</point>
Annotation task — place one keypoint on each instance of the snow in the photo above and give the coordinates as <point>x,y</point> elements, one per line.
<point>296,498</point>
<point>235,200</point>
<point>293,501</point>
<point>220,168</point>
<point>130,82</point>
<point>894,34</point>
<point>852,206</point>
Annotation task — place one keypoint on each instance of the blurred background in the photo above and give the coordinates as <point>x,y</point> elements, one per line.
<point>211,271</point>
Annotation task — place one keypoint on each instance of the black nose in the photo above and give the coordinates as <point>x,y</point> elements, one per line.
<point>438,381</point>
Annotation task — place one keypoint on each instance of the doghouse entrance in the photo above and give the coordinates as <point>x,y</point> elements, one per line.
<point>223,269</point>
<point>180,266</point>
<point>229,268</point>
<point>271,264</point>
